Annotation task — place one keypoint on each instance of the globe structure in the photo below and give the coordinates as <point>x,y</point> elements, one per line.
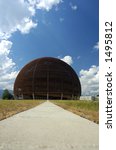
<point>47,78</point>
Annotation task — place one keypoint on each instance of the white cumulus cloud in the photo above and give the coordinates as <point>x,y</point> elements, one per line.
<point>96,46</point>
<point>7,66</point>
<point>68,59</point>
<point>47,4</point>
<point>26,25</point>
<point>73,7</point>
<point>12,15</point>
<point>90,80</point>
<point>16,15</point>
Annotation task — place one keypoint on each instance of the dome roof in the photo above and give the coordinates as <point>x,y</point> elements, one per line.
<point>47,78</point>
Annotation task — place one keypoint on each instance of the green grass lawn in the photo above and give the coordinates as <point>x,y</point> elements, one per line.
<point>87,109</point>
<point>11,107</point>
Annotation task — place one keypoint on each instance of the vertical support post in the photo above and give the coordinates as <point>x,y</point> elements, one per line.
<point>47,96</point>
<point>61,96</point>
<point>33,85</point>
<point>33,96</point>
<point>48,85</point>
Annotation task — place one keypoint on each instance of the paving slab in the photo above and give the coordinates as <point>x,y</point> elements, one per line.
<point>48,127</point>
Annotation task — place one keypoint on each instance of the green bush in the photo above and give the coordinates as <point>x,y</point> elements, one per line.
<point>7,95</point>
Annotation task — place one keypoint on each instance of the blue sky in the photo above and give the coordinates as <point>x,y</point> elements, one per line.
<point>68,30</point>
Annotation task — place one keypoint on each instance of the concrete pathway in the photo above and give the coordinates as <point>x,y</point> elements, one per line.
<point>48,127</point>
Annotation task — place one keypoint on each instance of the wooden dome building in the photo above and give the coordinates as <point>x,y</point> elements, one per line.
<point>47,78</point>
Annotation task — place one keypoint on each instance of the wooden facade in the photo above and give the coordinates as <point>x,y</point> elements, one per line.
<point>47,78</point>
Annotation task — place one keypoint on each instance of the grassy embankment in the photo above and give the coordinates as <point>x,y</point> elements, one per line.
<point>11,107</point>
<point>85,109</point>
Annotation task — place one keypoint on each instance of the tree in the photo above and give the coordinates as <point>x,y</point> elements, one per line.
<point>7,95</point>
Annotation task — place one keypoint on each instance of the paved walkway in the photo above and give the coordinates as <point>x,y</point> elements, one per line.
<point>48,127</point>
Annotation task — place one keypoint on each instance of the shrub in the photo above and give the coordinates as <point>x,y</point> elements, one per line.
<point>7,95</point>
